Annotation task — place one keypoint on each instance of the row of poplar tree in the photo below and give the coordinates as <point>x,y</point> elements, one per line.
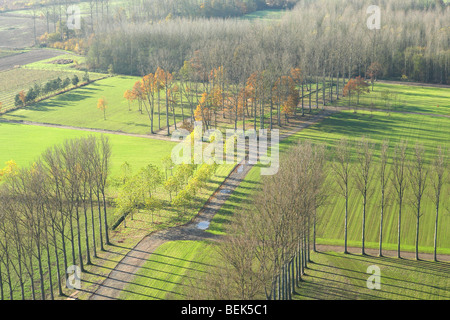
<point>211,98</point>
<point>53,215</point>
<point>268,243</point>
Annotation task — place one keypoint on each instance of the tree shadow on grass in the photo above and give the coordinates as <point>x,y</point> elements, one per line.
<point>364,276</point>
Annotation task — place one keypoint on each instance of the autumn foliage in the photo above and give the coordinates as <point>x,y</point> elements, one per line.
<point>356,86</point>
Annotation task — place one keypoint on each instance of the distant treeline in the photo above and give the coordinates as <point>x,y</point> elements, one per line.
<point>323,38</point>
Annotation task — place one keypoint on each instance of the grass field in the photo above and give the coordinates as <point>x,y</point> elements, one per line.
<point>405,98</point>
<point>79,108</point>
<point>338,276</point>
<point>331,275</point>
<point>24,144</point>
<point>14,80</point>
<point>265,15</point>
<point>430,131</point>
<point>47,64</point>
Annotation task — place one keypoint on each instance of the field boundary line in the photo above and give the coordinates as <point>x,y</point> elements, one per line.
<point>370,252</point>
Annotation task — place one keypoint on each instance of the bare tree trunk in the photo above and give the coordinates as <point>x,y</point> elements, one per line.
<point>58,271</point>
<point>436,232</point>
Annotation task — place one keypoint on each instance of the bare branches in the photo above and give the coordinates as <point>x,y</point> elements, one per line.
<point>341,169</point>
<point>418,176</point>
<point>38,203</point>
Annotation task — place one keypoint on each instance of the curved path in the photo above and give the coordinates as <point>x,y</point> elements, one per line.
<point>125,270</point>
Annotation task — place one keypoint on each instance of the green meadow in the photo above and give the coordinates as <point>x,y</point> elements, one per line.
<point>427,130</point>
<point>404,98</point>
<point>78,108</point>
<point>265,15</point>
<point>24,144</point>
<point>336,276</point>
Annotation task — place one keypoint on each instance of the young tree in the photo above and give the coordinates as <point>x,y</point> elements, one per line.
<point>154,205</point>
<point>384,178</point>
<point>363,179</point>
<point>182,199</point>
<point>341,168</point>
<point>20,99</point>
<point>374,71</point>
<point>167,165</point>
<point>361,87</point>
<point>75,80</point>
<point>129,96</point>
<point>148,90</point>
<point>349,88</point>
<point>400,183</point>
<point>171,185</point>
<point>102,105</point>
<point>438,171</point>
<point>418,175</point>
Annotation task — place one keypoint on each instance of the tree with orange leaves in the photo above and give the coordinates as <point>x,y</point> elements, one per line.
<point>148,86</point>
<point>254,88</point>
<point>349,88</point>
<point>138,94</point>
<point>298,78</point>
<point>358,86</point>
<point>217,78</point>
<point>20,99</point>
<point>202,113</point>
<point>362,87</point>
<point>159,85</point>
<point>173,95</point>
<point>164,81</point>
<point>102,105</point>
<point>129,96</point>
<point>286,96</point>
